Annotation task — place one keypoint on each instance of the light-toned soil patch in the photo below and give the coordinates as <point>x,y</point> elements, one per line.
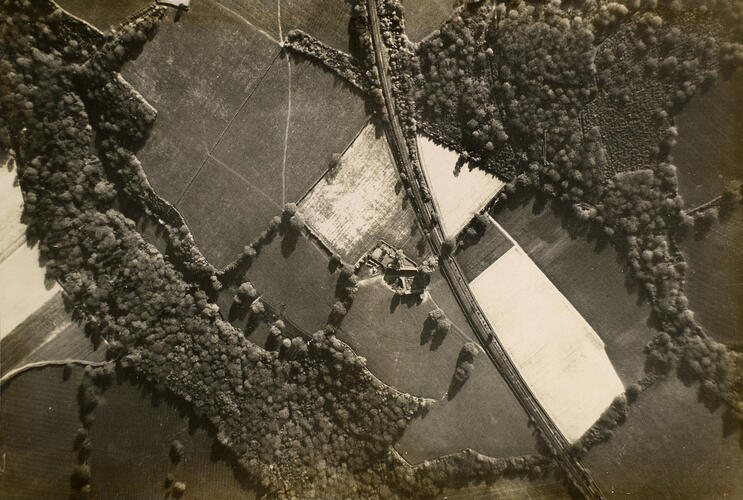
<point>560,356</point>
<point>363,202</point>
<point>458,195</point>
<point>12,230</point>
<point>23,287</point>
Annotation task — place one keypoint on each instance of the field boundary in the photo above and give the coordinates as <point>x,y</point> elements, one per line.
<point>325,172</point>
<point>44,364</point>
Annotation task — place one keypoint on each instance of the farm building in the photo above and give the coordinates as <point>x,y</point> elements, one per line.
<point>558,353</point>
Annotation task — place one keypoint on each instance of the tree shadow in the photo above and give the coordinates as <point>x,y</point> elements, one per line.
<point>289,242</point>
<point>454,387</point>
<point>394,303</point>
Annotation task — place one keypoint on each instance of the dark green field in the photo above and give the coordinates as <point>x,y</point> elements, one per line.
<point>543,488</point>
<point>424,16</point>
<point>671,447</point>
<point>710,143</point>
<point>217,147</point>
<point>714,281</point>
<point>47,334</point>
<point>103,14</point>
<point>326,20</point>
<point>39,419</point>
<point>592,280</point>
<point>131,442</point>
<point>292,274</point>
<point>475,258</point>
<point>483,415</point>
<point>196,72</point>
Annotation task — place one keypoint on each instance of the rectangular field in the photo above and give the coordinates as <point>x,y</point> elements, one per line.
<point>458,194</point>
<point>363,201</point>
<point>424,16</point>
<point>483,415</point>
<point>557,352</point>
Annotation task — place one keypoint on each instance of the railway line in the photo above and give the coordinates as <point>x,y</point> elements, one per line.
<point>578,474</point>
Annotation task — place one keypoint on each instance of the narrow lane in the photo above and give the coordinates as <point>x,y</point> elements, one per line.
<point>579,475</point>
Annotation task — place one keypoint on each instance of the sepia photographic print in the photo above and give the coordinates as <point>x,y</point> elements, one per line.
<point>371,249</point>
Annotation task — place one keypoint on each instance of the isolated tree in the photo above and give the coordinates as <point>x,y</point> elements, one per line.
<point>296,222</point>
<point>338,311</point>
<point>176,451</point>
<point>257,307</point>
<point>246,293</point>
<point>178,489</point>
<point>289,210</point>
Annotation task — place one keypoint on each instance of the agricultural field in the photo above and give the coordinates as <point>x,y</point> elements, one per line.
<point>422,17</point>
<point>292,274</point>
<point>12,230</point>
<point>670,447</point>
<point>40,407</point>
<point>542,488</point>
<point>327,20</point>
<point>236,131</point>
<point>589,274</point>
<point>709,146</point>
<point>475,258</point>
<point>31,340</point>
<point>103,14</point>
<point>714,278</point>
<point>362,201</point>
<point>25,287</point>
<point>459,194</point>
<point>483,415</point>
<point>131,438</point>
<point>555,349</point>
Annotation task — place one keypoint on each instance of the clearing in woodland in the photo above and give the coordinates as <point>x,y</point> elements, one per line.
<point>559,355</point>
<point>361,201</point>
<point>458,192</point>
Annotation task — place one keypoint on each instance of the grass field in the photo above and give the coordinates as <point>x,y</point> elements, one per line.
<point>196,72</point>
<point>589,276</point>
<point>38,418</point>
<point>710,142</point>
<point>363,202</point>
<point>543,488</point>
<point>458,195</point>
<point>131,439</point>
<point>237,128</point>
<point>474,259</point>
<point>103,14</point>
<point>714,281</point>
<point>292,274</point>
<point>555,349</point>
<point>670,447</point>
<point>424,16</point>
<point>327,20</point>
<point>483,415</point>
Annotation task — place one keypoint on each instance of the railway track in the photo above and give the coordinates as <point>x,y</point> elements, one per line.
<point>578,474</point>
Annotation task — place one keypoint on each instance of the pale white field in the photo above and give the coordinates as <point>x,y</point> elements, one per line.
<point>560,356</point>
<point>22,288</point>
<point>457,197</point>
<point>360,204</point>
<point>12,230</point>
